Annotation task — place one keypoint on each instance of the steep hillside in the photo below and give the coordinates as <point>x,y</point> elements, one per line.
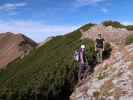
<point>13,46</point>
<point>48,72</point>
<point>111,80</point>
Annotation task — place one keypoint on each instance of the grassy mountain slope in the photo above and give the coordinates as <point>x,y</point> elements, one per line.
<point>48,72</point>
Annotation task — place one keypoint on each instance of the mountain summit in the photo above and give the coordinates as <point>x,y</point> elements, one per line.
<point>13,46</point>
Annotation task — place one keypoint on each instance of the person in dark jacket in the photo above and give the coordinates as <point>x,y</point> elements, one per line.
<point>99,47</point>
<point>82,61</point>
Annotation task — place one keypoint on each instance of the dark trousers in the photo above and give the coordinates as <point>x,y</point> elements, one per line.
<point>82,71</point>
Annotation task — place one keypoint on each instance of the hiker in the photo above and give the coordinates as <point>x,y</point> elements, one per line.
<point>82,61</point>
<point>99,47</point>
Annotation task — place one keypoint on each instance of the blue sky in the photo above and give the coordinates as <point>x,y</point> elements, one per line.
<point>40,19</point>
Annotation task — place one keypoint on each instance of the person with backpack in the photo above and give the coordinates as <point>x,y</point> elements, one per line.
<point>99,47</point>
<point>84,68</point>
<point>82,61</point>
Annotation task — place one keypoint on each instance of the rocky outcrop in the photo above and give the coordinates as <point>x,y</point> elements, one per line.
<point>111,80</point>
<point>111,34</point>
<point>13,46</point>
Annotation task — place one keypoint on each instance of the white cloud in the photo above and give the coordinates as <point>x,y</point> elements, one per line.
<point>90,1</point>
<point>127,22</point>
<point>80,3</point>
<point>12,6</point>
<point>104,10</point>
<point>36,30</point>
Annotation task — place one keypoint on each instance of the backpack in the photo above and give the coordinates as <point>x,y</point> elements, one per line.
<point>76,56</point>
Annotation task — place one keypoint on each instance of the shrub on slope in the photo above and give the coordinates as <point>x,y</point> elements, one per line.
<point>113,24</point>
<point>129,39</point>
<point>116,24</point>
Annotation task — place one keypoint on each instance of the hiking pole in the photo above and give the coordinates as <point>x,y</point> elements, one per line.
<point>86,67</point>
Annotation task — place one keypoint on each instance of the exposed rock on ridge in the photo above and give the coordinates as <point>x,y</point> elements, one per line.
<point>111,34</point>
<point>111,80</point>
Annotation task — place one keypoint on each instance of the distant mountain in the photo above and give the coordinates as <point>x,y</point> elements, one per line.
<point>13,46</point>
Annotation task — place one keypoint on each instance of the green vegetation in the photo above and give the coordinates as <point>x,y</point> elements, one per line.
<point>129,39</point>
<point>107,50</point>
<point>101,75</point>
<point>87,26</point>
<point>113,24</point>
<point>129,27</point>
<point>47,73</point>
<point>116,24</point>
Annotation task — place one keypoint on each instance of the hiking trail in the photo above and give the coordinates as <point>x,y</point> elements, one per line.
<point>111,80</point>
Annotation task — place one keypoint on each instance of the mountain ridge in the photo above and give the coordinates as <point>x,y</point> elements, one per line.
<point>49,72</point>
